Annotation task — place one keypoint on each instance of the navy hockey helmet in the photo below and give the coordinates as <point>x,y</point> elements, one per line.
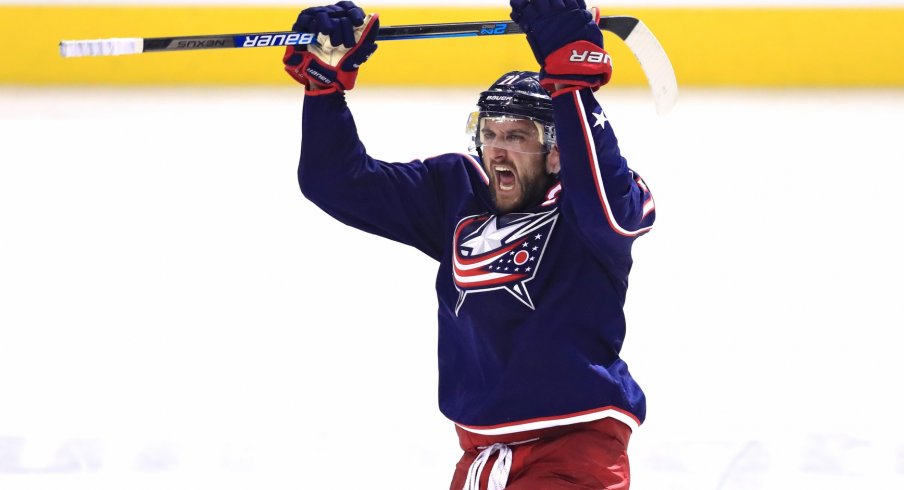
<point>515,95</point>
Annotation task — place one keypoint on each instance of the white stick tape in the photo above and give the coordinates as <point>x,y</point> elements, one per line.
<point>101,47</point>
<point>656,65</point>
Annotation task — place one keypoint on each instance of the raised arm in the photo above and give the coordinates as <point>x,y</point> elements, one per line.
<point>609,204</point>
<point>394,200</point>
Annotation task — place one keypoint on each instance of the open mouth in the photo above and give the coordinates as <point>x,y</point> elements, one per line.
<point>505,178</point>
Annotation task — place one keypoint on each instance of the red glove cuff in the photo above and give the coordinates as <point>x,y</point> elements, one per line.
<point>315,75</point>
<point>582,60</point>
<point>551,84</point>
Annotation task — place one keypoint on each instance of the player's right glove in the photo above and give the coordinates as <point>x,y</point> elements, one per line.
<point>566,40</point>
<point>345,39</point>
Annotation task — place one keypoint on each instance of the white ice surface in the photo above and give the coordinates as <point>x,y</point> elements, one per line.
<point>174,315</point>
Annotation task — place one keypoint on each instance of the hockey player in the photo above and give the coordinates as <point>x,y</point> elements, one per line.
<point>533,238</point>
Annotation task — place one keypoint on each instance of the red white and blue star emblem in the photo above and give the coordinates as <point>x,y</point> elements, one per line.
<point>500,252</point>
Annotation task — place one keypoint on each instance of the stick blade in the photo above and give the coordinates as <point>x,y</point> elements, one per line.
<point>101,47</point>
<point>656,66</point>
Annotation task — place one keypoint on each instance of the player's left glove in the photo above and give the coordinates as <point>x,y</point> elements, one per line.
<point>345,39</point>
<point>566,40</point>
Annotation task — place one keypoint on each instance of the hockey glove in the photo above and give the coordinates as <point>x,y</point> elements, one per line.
<point>345,39</point>
<point>566,40</point>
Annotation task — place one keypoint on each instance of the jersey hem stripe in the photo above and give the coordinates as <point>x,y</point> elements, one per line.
<point>547,422</point>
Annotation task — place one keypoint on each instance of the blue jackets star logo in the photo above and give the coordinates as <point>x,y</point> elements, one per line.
<point>500,252</point>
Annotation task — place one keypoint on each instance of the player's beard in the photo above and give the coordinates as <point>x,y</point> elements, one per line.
<point>533,190</point>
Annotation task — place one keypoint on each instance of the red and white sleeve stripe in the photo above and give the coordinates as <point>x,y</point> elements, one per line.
<point>594,163</point>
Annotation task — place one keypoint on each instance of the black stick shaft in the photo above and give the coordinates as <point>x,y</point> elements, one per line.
<point>620,26</point>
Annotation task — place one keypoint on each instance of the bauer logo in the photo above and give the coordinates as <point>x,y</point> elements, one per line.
<point>590,57</point>
<point>293,39</point>
<point>319,76</point>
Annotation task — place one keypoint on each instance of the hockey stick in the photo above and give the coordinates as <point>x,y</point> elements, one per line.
<point>653,59</point>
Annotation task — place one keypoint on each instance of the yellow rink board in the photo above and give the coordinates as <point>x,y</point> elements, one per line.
<point>708,47</point>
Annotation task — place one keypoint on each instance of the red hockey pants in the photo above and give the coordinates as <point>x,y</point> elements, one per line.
<point>592,455</point>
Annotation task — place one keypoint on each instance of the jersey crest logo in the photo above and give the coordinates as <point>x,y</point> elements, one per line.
<point>500,252</point>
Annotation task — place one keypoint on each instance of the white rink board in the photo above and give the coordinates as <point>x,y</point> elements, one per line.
<point>173,314</point>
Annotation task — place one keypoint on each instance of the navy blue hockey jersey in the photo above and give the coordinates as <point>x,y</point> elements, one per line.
<point>531,315</point>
